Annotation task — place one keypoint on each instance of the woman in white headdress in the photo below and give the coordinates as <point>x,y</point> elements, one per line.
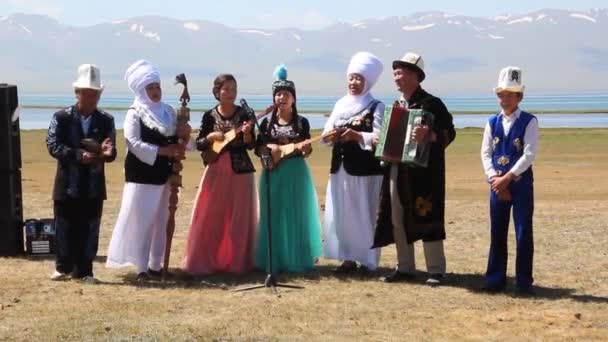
<point>353,190</point>
<point>150,130</point>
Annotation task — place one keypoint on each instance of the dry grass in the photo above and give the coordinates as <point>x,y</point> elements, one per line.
<point>571,269</point>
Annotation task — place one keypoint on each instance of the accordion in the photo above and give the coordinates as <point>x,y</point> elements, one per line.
<point>395,143</point>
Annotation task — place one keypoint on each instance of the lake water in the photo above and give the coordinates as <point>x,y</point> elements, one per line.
<point>35,118</point>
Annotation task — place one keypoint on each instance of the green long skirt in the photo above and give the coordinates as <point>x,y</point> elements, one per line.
<point>296,229</point>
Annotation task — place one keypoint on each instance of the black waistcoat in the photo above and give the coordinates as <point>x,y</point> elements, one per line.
<point>139,172</point>
<point>356,161</point>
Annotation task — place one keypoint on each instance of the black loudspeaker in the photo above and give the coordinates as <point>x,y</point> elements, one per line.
<point>11,211</point>
<point>10,140</point>
<point>11,214</point>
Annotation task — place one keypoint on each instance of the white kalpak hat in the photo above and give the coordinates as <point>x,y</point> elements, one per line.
<point>510,80</point>
<point>89,77</point>
<point>411,61</point>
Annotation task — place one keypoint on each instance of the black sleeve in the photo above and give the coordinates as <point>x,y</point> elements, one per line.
<point>112,136</point>
<point>304,129</point>
<point>444,123</point>
<point>305,132</point>
<point>56,140</point>
<point>252,145</point>
<point>244,117</point>
<point>207,124</point>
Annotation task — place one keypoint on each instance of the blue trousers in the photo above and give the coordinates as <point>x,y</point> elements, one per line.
<point>523,208</point>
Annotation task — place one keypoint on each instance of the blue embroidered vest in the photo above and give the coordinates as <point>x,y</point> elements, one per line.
<point>508,149</point>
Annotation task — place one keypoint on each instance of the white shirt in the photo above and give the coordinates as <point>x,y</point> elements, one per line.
<point>531,136</point>
<point>368,137</point>
<point>143,151</point>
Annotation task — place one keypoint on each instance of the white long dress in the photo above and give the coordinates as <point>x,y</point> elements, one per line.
<point>351,203</point>
<point>139,236</point>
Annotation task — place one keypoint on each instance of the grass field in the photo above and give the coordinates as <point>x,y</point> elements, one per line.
<point>571,269</point>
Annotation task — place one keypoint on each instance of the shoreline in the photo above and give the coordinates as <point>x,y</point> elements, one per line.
<point>326,112</point>
<point>318,130</point>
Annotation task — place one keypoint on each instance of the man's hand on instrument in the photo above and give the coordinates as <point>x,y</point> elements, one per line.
<point>183,131</point>
<point>215,136</point>
<point>107,147</point>
<point>88,158</point>
<point>421,133</point>
<point>351,135</point>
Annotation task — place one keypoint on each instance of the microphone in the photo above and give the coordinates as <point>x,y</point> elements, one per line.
<point>266,158</point>
<point>248,109</point>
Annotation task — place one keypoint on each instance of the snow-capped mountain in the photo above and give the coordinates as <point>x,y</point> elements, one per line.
<point>559,50</point>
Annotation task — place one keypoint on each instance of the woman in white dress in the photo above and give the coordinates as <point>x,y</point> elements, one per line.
<point>353,190</point>
<point>150,132</point>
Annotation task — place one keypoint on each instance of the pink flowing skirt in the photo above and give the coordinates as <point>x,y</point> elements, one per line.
<point>224,221</point>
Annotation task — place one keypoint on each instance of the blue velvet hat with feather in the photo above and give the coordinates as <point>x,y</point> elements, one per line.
<point>281,82</point>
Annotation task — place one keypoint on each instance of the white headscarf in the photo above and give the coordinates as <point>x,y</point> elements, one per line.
<point>156,115</point>
<point>370,67</point>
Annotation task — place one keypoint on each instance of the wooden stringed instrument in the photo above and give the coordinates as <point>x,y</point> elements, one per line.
<point>289,149</point>
<point>212,153</point>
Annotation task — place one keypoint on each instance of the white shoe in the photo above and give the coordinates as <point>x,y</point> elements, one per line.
<point>90,280</point>
<point>58,276</point>
<point>435,279</point>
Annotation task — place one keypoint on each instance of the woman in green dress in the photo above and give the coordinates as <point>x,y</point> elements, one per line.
<point>294,221</point>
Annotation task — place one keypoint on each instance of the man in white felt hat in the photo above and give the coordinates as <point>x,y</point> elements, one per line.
<point>509,146</point>
<point>82,139</point>
<point>413,199</point>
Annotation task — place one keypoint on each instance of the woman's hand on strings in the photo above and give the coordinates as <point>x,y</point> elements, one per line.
<point>247,127</point>
<point>351,135</point>
<point>215,136</point>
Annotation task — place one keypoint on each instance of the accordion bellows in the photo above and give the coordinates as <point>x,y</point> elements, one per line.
<point>395,143</point>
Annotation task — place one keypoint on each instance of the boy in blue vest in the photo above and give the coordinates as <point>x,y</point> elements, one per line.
<point>509,146</point>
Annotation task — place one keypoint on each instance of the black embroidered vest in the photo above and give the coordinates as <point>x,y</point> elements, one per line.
<point>139,172</point>
<point>356,161</point>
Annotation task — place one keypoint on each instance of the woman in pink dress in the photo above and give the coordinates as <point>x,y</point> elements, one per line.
<point>224,218</point>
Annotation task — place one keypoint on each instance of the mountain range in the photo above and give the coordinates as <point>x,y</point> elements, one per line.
<point>558,50</point>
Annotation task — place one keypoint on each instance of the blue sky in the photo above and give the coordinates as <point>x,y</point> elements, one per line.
<point>269,14</point>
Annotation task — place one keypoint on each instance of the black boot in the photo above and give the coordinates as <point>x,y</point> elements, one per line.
<point>397,277</point>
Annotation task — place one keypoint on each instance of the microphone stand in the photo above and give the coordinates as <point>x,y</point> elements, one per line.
<point>268,164</point>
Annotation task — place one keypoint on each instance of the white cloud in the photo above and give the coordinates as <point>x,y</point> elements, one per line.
<point>41,7</point>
